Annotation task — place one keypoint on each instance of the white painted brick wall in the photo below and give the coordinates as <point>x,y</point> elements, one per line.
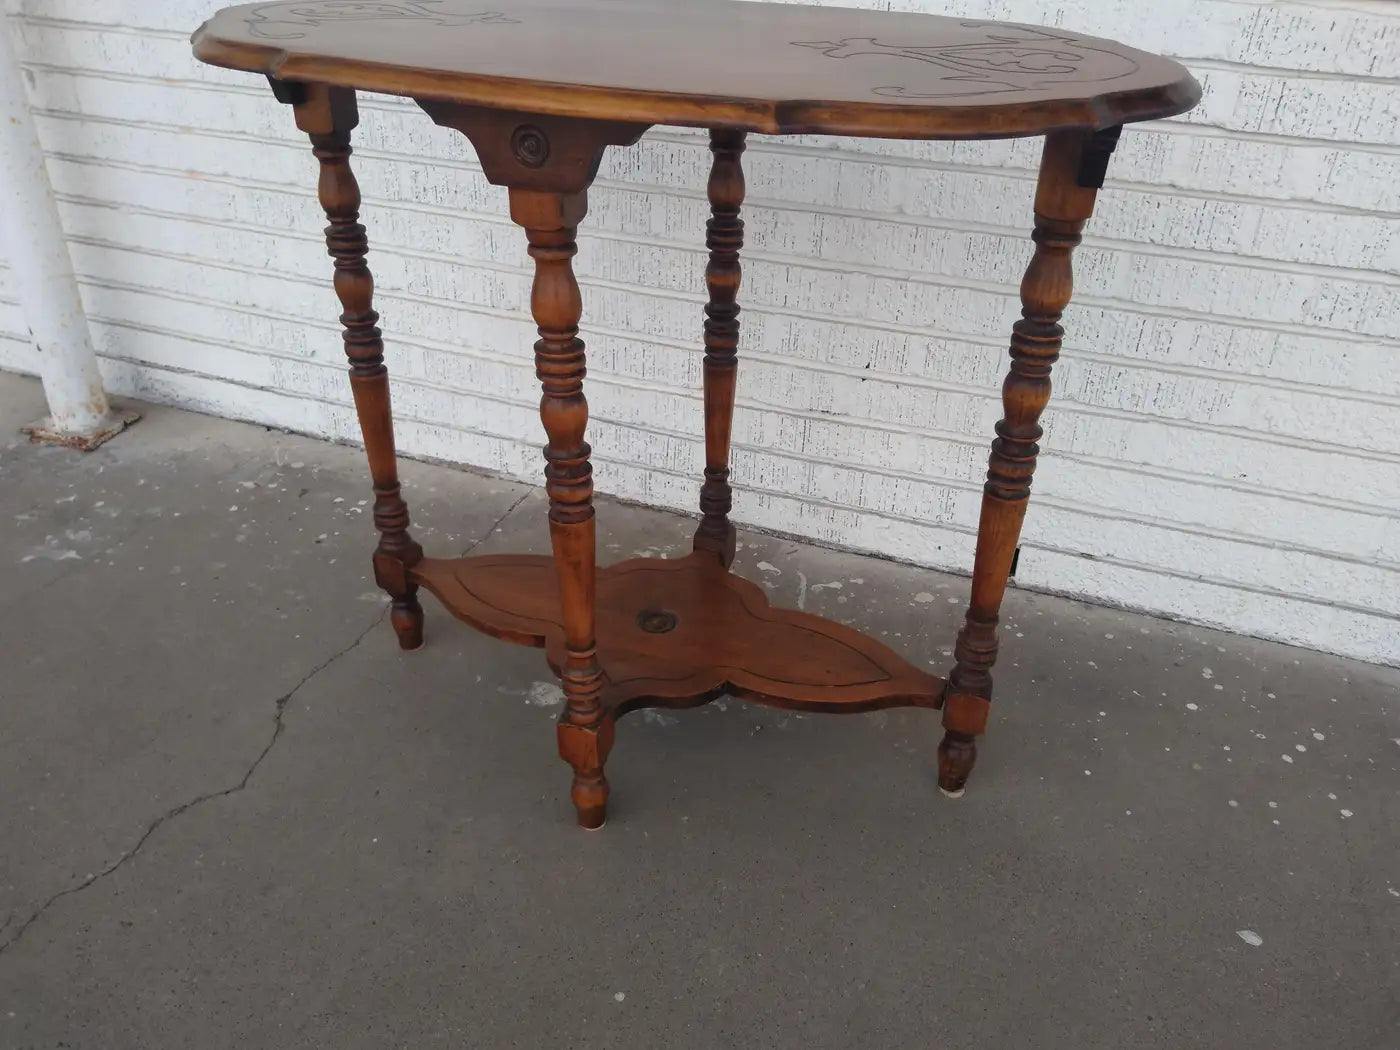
<point>1225,441</point>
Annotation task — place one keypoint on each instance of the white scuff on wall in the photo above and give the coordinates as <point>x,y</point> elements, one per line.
<point>1224,444</point>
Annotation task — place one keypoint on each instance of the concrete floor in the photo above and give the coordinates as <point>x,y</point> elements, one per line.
<point>234,815</point>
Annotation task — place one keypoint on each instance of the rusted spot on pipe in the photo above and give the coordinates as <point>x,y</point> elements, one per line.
<point>45,433</point>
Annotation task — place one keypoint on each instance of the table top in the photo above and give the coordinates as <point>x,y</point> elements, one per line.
<point>774,68</point>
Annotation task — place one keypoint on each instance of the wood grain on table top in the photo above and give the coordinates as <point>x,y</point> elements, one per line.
<point>764,67</point>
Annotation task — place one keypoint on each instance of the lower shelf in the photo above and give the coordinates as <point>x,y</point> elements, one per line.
<point>678,633</point>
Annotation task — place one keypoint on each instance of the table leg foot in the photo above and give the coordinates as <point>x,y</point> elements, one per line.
<point>957,754</point>
<point>406,615</point>
<point>586,749</point>
<point>590,795</point>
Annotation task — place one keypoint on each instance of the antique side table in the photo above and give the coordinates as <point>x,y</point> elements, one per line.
<point>542,88</point>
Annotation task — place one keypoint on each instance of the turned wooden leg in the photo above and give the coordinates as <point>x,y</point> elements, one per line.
<point>725,239</point>
<point>1071,173</point>
<point>548,163</point>
<point>585,733</point>
<point>328,115</point>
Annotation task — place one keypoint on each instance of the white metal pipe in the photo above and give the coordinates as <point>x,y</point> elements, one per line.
<point>40,267</point>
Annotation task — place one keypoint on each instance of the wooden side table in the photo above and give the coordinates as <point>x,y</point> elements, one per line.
<point>542,88</point>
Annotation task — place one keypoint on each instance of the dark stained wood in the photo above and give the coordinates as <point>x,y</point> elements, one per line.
<point>542,88</point>
<point>774,68</point>
<point>725,239</point>
<point>674,633</point>
<point>1062,208</point>
<point>328,115</point>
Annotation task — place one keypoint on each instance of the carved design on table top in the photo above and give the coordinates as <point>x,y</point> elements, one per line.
<point>289,21</point>
<point>1008,59</point>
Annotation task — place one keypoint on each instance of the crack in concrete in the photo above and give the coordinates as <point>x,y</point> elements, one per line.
<point>278,725</point>
<point>171,814</point>
<point>497,523</point>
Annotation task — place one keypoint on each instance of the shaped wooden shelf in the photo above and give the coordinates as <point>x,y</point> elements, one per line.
<point>680,633</point>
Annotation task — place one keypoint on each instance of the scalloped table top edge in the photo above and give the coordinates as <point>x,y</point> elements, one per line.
<point>763,67</point>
